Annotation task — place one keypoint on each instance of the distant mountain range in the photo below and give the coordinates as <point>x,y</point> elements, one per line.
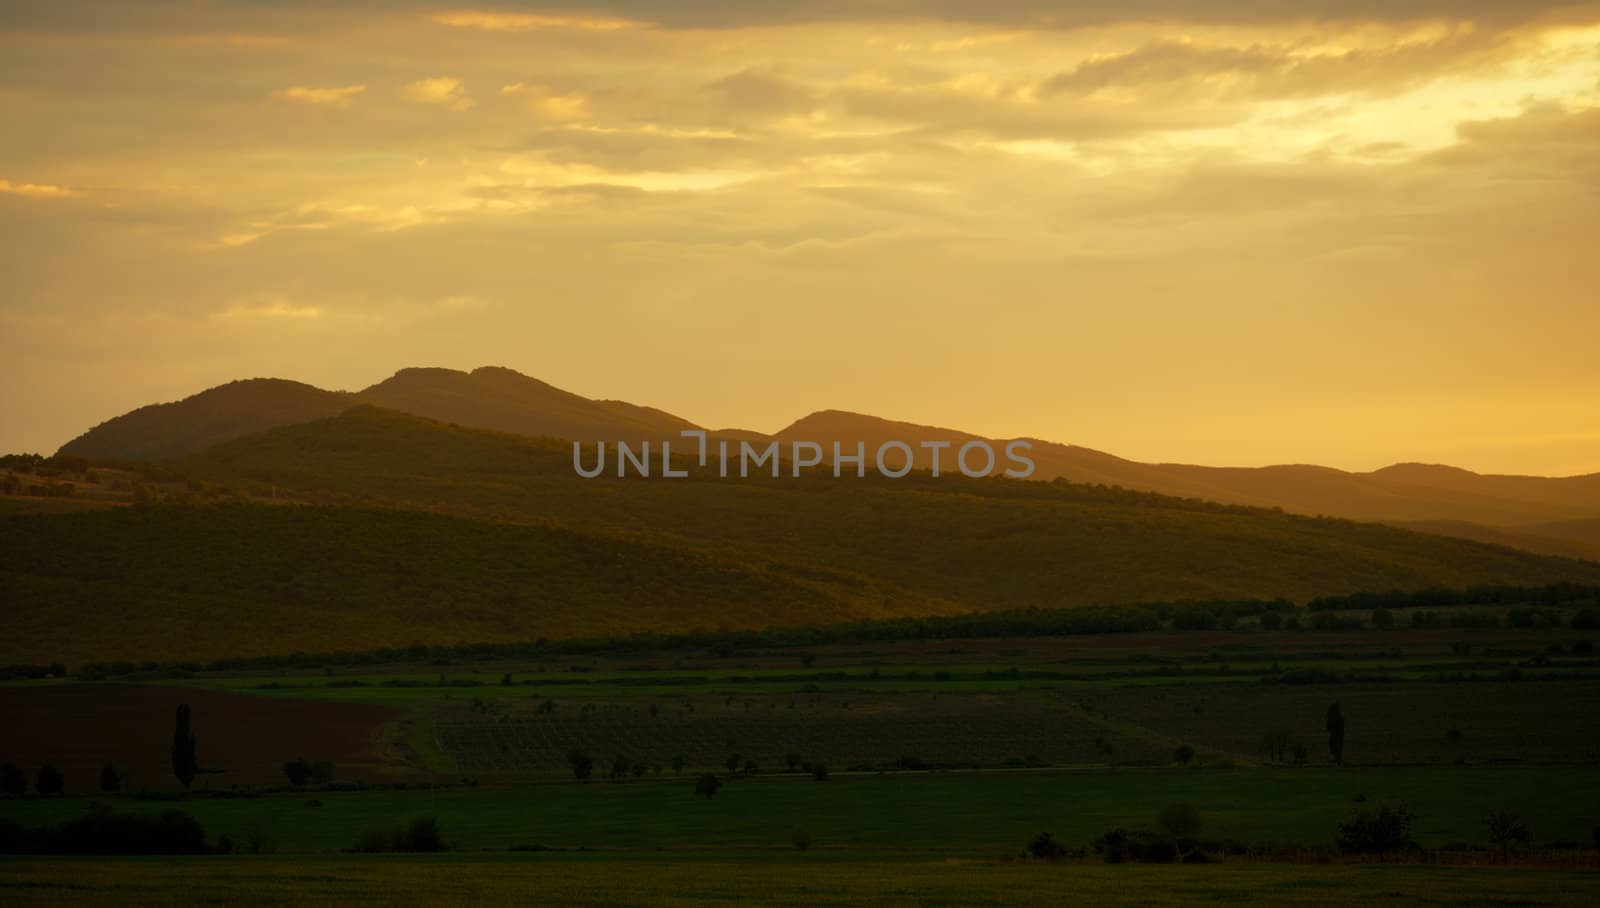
<point>1558,516</point>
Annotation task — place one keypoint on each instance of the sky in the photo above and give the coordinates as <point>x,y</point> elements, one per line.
<point>1231,232</point>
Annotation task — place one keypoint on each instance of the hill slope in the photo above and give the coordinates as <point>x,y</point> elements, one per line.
<point>426,532</point>
<point>506,401</point>
<point>161,431</point>
<point>182,583</point>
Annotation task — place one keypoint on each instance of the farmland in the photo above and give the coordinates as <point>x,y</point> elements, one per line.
<point>817,878</point>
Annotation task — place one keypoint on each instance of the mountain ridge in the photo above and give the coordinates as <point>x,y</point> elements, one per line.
<point>1453,500</point>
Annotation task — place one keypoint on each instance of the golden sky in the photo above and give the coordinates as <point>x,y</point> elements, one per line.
<point>1210,231</point>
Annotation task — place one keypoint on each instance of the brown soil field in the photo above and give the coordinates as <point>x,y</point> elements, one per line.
<point>82,727</point>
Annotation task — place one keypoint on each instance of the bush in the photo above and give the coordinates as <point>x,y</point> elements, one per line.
<point>420,835</point>
<point>12,780</point>
<point>800,839</point>
<point>1044,847</point>
<point>1183,755</point>
<point>582,764</point>
<point>819,772</point>
<point>297,771</point>
<point>707,785</point>
<point>50,780</point>
<point>110,779</point>
<point>1585,619</point>
<point>1378,832</point>
<point>109,833</point>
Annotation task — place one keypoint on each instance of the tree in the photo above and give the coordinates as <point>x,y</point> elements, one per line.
<point>733,762</point>
<point>819,771</point>
<point>1270,621</point>
<point>50,780</point>
<point>110,779</point>
<point>1183,754</point>
<point>707,785</point>
<point>184,761</point>
<point>298,771</point>
<point>12,780</point>
<point>677,764</point>
<point>1336,734</point>
<point>619,767</point>
<point>1377,831</point>
<point>1382,619</point>
<point>1508,830</point>
<point>582,764</point>
<point>1182,823</point>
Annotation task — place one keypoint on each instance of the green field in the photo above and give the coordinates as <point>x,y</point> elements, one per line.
<point>976,815</point>
<point>792,879</point>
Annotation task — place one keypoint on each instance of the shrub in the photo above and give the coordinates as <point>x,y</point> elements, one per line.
<point>110,833</point>
<point>1183,754</point>
<point>1044,847</point>
<point>800,839</point>
<point>707,785</point>
<point>297,771</point>
<point>582,764</point>
<point>110,779</point>
<point>50,780</point>
<point>1378,832</point>
<point>12,780</point>
<point>420,835</point>
<point>819,772</point>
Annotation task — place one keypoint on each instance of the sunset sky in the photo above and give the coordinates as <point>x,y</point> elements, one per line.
<point>1348,232</point>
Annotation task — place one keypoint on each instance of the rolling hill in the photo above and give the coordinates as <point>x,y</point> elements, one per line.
<point>161,431</point>
<point>1435,499</point>
<point>404,530</point>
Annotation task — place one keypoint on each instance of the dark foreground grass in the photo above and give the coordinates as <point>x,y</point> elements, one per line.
<point>792,879</point>
<point>980,815</point>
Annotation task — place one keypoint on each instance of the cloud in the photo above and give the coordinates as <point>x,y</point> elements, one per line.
<point>38,190</point>
<point>270,308</point>
<point>493,21</point>
<point>538,99</point>
<point>444,91</point>
<point>761,90</point>
<point>1261,71</point>
<point>322,97</point>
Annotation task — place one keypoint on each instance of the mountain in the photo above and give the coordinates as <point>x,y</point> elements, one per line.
<point>505,401</point>
<point>1448,496</point>
<point>1438,499</point>
<point>161,431</point>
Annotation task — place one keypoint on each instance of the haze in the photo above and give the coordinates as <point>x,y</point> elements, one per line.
<point>1175,230</point>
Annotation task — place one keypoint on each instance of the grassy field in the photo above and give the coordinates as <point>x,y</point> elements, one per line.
<point>979,815</point>
<point>811,879</point>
